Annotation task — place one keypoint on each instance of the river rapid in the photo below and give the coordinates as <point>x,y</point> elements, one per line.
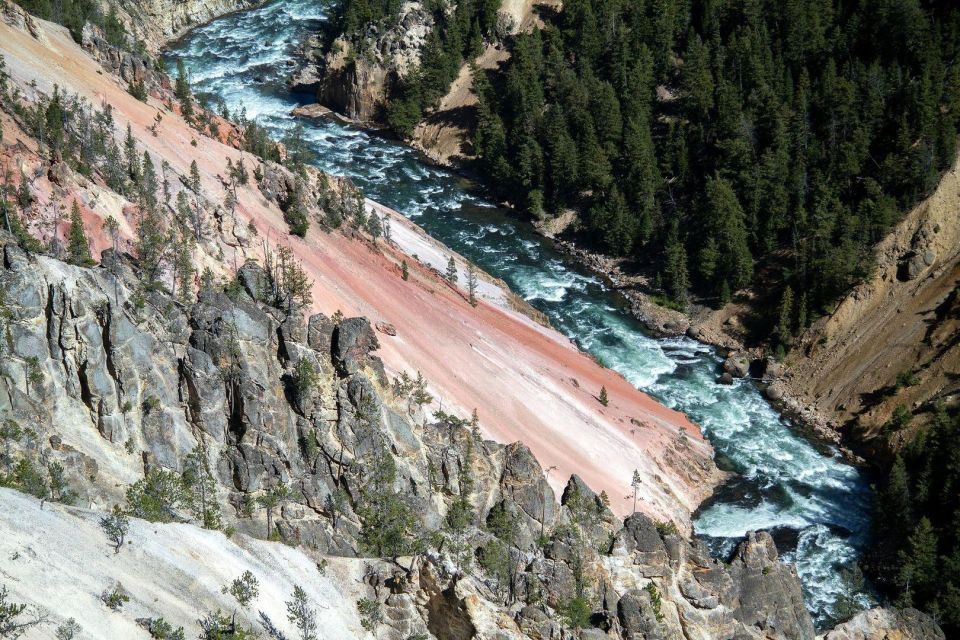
<point>816,505</point>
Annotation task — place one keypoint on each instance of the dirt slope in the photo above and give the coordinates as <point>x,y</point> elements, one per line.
<point>906,318</point>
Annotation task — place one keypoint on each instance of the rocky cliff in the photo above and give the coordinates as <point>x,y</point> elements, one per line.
<point>354,74</point>
<point>157,22</point>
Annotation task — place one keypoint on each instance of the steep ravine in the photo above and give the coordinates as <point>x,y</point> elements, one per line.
<point>819,504</point>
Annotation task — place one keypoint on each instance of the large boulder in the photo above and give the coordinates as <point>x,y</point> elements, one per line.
<point>353,340</point>
<point>737,365</point>
<point>522,483</point>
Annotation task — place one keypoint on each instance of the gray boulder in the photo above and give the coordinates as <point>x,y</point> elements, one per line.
<point>353,340</point>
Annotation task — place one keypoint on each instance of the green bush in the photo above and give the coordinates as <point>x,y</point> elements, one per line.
<point>156,497</point>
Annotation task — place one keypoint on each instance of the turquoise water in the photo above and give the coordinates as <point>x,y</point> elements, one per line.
<point>817,506</point>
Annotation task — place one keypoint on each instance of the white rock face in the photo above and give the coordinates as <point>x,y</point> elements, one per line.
<point>58,558</point>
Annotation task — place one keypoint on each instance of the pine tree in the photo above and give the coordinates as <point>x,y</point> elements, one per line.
<point>151,246</point>
<point>272,500</point>
<point>201,488</point>
<point>785,322</point>
<point>78,248</point>
<point>604,399</point>
<point>182,90</point>
<point>636,481</point>
<point>148,184</point>
<point>182,266</point>
<point>451,274</point>
<point>374,226</point>
<point>471,284</point>
<point>195,183</point>
<point>676,278</point>
<point>132,157</point>
<point>919,566</point>
<point>404,270</point>
<point>24,196</point>
<point>726,220</point>
<point>301,615</point>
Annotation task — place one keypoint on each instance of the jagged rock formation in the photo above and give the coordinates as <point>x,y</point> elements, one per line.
<point>355,75</point>
<point>116,385</point>
<point>128,385</point>
<point>888,624</point>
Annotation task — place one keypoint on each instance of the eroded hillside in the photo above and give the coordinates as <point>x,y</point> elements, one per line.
<point>895,339</point>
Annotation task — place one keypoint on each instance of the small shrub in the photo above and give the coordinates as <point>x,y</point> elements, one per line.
<point>116,525</point>
<point>655,601</point>
<point>220,626</point>
<point>371,614</point>
<point>68,630</point>
<point>138,91</point>
<point>906,379</point>
<point>244,589</point>
<point>901,418</point>
<point>115,598</point>
<point>160,629</point>
<point>15,618</point>
<point>667,528</point>
<point>156,496</point>
<point>575,612</point>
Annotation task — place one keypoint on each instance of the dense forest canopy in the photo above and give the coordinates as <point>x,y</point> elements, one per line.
<point>917,525</point>
<point>729,143</point>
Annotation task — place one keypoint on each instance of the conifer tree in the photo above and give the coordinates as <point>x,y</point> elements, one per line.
<point>451,273</point>
<point>195,183</point>
<point>182,90</point>
<point>148,183</point>
<point>471,284</point>
<point>374,226</point>
<point>151,246</point>
<point>132,157</point>
<point>271,500</point>
<point>201,488</point>
<point>78,248</point>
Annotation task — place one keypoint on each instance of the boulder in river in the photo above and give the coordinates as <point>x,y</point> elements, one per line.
<point>737,365</point>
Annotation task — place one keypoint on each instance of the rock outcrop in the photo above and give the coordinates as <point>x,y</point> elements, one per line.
<point>355,76</point>
<point>887,624</point>
<point>157,22</point>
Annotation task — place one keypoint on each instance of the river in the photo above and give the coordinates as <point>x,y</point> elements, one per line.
<point>816,505</point>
